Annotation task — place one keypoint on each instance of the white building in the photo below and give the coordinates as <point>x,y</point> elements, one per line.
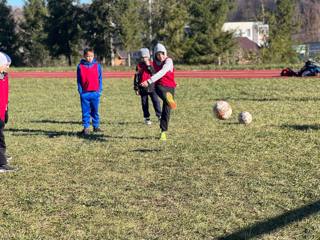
<point>255,31</point>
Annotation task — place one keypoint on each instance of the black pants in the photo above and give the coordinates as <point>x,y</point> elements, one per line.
<point>145,103</point>
<point>3,159</point>
<point>165,115</point>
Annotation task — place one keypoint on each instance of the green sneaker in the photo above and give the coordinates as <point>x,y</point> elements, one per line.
<point>163,136</point>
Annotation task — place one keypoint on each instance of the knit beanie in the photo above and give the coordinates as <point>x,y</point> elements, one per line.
<point>160,48</point>
<point>5,60</point>
<point>144,52</point>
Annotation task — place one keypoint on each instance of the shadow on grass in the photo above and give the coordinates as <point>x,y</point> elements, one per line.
<point>303,127</point>
<point>80,123</point>
<point>270,99</point>
<point>53,134</point>
<point>56,121</point>
<point>125,123</point>
<point>274,223</point>
<point>144,150</point>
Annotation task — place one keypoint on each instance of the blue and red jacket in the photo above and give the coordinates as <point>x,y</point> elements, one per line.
<point>4,95</point>
<point>89,76</point>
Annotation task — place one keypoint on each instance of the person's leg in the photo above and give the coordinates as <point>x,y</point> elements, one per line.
<point>156,104</point>
<point>94,104</point>
<point>3,159</point>
<point>145,105</point>
<point>85,107</point>
<point>165,115</point>
<point>6,119</point>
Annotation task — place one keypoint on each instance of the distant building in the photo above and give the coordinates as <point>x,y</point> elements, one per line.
<point>255,31</point>
<point>247,51</point>
<point>120,58</point>
<point>308,50</point>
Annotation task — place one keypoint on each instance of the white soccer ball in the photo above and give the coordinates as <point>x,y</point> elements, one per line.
<point>245,118</point>
<point>222,110</point>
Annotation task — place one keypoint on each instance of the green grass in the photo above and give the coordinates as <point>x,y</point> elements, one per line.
<point>210,179</point>
<point>177,66</point>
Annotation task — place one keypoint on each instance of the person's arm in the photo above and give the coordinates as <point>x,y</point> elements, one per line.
<point>167,67</point>
<point>100,78</point>
<point>136,79</point>
<point>79,80</point>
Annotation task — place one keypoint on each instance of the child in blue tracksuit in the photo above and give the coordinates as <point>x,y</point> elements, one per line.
<point>89,78</point>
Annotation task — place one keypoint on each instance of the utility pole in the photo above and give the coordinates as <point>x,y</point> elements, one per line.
<point>263,11</point>
<point>150,23</point>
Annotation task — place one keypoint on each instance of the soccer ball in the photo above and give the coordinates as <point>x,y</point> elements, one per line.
<point>222,110</point>
<point>245,118</point>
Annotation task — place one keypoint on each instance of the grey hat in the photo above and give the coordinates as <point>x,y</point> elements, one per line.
<point>160,48</point>
<point>5,60</point>
<point>144,52</point>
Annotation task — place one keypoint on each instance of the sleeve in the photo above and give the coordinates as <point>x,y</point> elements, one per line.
<point>79,80</point>
<point>167,67</point>
<point>136,79</point>
<point>100,78</point>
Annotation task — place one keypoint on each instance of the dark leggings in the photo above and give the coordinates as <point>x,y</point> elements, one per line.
<point>3,159</point>
<point>165,115</point>
<point>145,104</point>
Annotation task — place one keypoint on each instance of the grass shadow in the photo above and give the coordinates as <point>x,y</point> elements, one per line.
<point>144,150</point>
<point>131,137</point>
<point>124,123</point>
<point>272,224</point>
<point>53,134</point>
<point>270,99</point>
<point>56,121</point>
<point>303,127</point>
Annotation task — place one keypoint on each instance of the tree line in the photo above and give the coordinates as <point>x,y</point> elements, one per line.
<point>49,32</point>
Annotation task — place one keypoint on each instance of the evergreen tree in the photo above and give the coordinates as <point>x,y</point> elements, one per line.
<point>63,28</point>
<point>208,42</point>
<point>282,26</point>
<point>133,28</point>
<point>33,37</point>
<point>171,27</point>
<point>8,36</point>
<point>100,27</point>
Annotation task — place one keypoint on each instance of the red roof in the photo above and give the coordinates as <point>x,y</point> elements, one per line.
<point>246,44</point>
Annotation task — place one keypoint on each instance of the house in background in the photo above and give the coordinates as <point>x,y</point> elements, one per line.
<point>255,31</point>
<point>247,51</point>
<point>120,58</point>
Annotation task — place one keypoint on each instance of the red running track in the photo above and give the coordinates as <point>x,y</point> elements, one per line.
<point>178,74</point>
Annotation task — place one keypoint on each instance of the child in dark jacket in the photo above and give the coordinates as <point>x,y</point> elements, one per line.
<point>5,62</point>
<point>144,71</point>
<point>89,79</point>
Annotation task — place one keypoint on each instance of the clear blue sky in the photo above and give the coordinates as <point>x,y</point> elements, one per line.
<point>20,3</point>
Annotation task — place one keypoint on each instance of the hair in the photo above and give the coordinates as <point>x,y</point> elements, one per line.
<point>86,50</point>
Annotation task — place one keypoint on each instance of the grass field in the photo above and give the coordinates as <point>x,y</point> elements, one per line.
<point>296,66</point>
<point>211,180</point>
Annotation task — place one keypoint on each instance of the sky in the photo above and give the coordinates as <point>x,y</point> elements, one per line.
<point>20,3</point>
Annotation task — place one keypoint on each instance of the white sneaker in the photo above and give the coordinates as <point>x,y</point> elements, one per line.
<point>147,121</point>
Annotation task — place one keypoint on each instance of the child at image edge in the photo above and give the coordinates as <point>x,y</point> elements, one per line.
<point>5,62</point>
<point>144,71</point>
<point>89,79</point>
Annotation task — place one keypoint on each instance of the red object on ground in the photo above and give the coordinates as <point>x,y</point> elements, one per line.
<point>178,74</point>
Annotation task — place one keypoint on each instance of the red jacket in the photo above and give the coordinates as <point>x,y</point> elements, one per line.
<point>4,95</point>
<point>168,79</point>
<point>144,71</point>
